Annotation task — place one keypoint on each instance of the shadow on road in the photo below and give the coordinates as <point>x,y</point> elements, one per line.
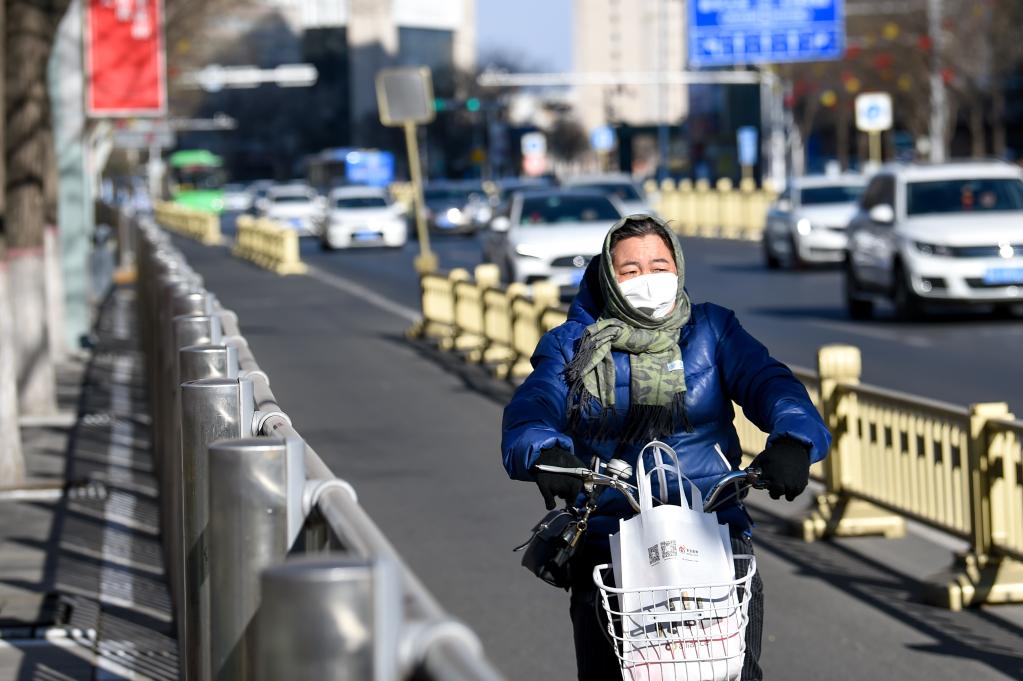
<point>971,634</point>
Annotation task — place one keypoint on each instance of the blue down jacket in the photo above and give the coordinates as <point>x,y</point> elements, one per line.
<point>722,362</point>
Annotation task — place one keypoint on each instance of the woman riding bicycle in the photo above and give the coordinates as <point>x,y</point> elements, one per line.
<point>635,362</point>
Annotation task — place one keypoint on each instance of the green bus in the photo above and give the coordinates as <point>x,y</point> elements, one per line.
<point>197,179</point>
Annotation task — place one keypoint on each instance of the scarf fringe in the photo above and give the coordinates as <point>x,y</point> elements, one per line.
<point>643,422</point>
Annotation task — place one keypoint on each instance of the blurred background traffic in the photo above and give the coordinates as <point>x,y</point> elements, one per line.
<point>551,119</point>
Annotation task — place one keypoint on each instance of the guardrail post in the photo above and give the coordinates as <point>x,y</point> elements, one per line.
<point>249,486</point>
<point>211,409</point>
<point>329,619</point>
<point>983,574</point>
<point>837,514</point>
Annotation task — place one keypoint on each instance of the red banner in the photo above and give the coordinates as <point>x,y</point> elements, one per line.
<point>125,58</point>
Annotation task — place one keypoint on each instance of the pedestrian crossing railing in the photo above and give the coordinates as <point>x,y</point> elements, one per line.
<point>269,244</point>
<point>276,570</point>
<point>895,457</point>
<point>722,210</point>
<point>195,224</point>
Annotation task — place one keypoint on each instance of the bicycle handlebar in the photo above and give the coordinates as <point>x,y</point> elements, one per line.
<point>739,481</point>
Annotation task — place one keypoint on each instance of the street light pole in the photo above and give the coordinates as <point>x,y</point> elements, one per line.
<point>662,125</point>
<point>939,104</point>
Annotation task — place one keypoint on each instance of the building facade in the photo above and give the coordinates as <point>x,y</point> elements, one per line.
<point>628,36</point>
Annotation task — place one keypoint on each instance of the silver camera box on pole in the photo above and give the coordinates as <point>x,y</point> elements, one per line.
<point>405,95</point>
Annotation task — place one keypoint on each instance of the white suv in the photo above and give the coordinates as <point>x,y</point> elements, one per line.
<point>937,233</point>
<point>807,223</point>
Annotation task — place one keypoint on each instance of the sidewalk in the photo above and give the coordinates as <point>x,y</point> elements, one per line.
<point>82,585</point>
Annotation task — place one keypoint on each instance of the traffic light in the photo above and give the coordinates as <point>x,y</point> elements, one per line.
<point>438,104</point>
<point>472,104</point>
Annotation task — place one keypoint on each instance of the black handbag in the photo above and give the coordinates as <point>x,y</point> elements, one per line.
<point>552,545</point>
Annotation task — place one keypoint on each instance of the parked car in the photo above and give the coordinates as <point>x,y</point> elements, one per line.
<point>808,221</point>
<point>362,216</point>
<point>455,207</point>
<point>295,205</point>
<point>550,234</point>
<point>947,233</point>
<point>621,187</point>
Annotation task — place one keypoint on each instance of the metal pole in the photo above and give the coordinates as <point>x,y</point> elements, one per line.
<point>875,147</point>
<point>197,362</point>
<point>939,104</point>
<point>662,126</point>
<point>211,409</point>
<point>187,331</point>
<point>329,619</point>
<point>426,261</point>
<point>248,531</point>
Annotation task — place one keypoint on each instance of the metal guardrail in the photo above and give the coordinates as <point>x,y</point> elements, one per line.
<point>268,244</point>
<point>722,210</point>
<point>894,456</point>
<point>241,491</point>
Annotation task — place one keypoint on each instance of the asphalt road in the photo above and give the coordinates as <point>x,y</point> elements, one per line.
<point>961,357</point>
<point>421,448</point>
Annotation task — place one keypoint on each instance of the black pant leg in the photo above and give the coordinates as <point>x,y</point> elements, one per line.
<point>755,627</point>
<point>594,656</point>
<point>594,652</point>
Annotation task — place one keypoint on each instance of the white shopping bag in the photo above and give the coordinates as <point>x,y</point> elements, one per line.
<point>671,546</point>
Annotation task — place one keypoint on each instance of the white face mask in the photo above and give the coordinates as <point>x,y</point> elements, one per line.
<point>652,294</point>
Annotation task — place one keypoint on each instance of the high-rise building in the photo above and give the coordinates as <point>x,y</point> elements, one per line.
<point>348,41</point>
<point>625,36</point>
<point>440,34</point>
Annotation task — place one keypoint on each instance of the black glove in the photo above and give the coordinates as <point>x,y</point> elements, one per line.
<point>558,484</point>
<point>784,467</point>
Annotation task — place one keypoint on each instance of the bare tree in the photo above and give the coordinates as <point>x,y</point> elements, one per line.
<point>12,463</point>
<point>30,30</point>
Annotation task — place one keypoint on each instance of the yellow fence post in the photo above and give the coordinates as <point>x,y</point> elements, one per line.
<point>730,216</point>
<point>837,514</point>
<point>985,574</point>
<point>668,207</point>
<point>687,208</point>
<point>527,326</point>
<point>469,311</point>
<point>499,320</point>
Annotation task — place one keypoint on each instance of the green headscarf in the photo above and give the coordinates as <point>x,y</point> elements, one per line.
<point>658,384</point>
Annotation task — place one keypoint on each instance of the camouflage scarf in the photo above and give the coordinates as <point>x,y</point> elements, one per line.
<point>658,385</point>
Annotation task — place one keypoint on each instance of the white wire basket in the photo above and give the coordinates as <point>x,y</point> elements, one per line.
<point>680,633</point>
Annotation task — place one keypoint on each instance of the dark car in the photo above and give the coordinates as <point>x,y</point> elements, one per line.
<point>455,207</point>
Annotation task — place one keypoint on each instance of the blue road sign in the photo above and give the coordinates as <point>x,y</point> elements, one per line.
<point>747,137</point>
<point>375,168</point>
<point>731,32</point>
<point>602,138</point>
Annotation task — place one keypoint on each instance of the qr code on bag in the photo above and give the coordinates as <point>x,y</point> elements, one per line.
<point>669,549</point>
<point>654,555</point>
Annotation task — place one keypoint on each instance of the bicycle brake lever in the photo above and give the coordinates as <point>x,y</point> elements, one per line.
<point>584,473</point>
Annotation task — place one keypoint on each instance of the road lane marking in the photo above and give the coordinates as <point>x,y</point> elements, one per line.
<point>363,293</point>
<point>875,333</point>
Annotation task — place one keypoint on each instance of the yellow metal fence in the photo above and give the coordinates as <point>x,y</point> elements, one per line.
<point>268,244</point>
<point>721,210</point>
<point>195,224</point>
<point>894,457</point>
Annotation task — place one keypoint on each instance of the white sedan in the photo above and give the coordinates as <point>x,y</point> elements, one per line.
<point>293,205</point>
<point>362,216</point>
<point>551,234</point>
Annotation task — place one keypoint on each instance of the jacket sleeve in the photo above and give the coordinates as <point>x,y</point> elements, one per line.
<point>534,420</point>
<point>769,394</point>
